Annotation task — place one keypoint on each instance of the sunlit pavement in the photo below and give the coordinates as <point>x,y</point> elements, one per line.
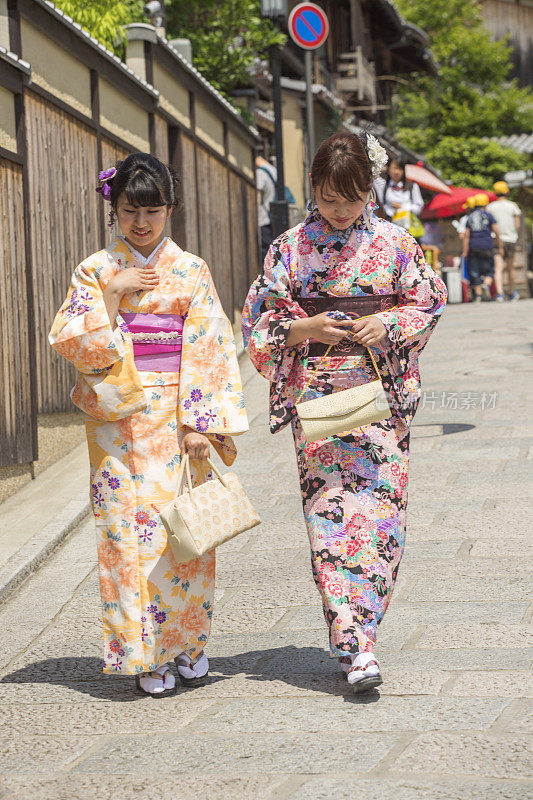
<point>276,719</point>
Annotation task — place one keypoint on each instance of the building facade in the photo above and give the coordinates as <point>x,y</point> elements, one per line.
<point>370,48</point>
<point>513,18</point>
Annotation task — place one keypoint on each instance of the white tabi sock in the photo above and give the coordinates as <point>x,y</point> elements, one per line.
<point>155,685</point>
<point>361,668</point>
<point>189,670</point>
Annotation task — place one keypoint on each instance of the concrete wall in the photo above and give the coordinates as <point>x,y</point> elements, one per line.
<point>173,97</point>
<point>55,70</point>
<point>240,155</point>
<point>294,145</point>
<point>209,128</point>
<point>4,25</point>
<point>295,140</point>
<point>123,117</point>
<point>7,120</point>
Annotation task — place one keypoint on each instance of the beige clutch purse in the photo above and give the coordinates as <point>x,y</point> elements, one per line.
<point>341,412</point>
<point>203,517</point>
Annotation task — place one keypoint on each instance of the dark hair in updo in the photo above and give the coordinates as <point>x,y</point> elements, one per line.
<point>145,181</point>
<point>342,164</point>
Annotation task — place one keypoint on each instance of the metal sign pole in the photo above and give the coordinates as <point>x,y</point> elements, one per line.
<point>310,111</point>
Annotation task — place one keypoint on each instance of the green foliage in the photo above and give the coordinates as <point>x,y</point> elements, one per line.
<point>226,36</point>
<point>104,19</point>
<point>446,116</point>
<point>471,161</point>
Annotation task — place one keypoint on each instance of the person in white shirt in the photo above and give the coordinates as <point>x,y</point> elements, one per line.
<point>460,226</point>
<point>266,176</point>
<point>395,193</point>
<point>507,215</point>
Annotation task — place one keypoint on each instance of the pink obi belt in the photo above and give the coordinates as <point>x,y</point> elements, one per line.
<point>156,341</point>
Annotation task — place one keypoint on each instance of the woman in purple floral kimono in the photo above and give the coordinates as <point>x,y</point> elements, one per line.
<point>339,264</point>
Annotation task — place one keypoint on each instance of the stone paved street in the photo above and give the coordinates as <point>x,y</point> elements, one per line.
<point>276,721</point>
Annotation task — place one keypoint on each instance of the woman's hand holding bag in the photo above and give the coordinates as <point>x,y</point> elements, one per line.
<point>195,444</point>
<point>343,411</point>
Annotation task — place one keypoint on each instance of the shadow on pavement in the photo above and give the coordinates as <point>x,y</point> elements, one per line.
<point>308,668</point>
<point>78,673</point>
<point>427,430</point>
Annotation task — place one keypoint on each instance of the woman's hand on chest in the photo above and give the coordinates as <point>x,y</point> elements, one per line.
<point>133,279</point>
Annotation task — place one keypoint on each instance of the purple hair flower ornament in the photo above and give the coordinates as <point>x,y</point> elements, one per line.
<point>105,176</point>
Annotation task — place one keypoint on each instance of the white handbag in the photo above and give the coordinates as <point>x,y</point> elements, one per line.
<point>204,516</point>
<point>343,411</point>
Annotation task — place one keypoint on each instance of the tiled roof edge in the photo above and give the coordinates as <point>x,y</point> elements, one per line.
<point>14,59</point>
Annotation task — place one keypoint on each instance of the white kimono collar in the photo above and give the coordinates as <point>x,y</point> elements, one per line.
<point>144,260</point>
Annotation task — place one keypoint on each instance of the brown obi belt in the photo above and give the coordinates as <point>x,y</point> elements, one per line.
<point>351,306</point>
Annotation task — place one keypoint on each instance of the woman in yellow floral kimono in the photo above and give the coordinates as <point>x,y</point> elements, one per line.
<point>157,377</point>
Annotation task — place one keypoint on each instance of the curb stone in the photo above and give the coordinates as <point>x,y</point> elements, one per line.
<point>39,547</point>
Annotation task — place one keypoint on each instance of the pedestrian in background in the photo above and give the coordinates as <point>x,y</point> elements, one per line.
<point>507,215</point>
<point>395,193</point>
<point>354,485</point>
<point>460,226</point>
<point>478,247</point>
<point>266,176</point>
<point>157,378</point>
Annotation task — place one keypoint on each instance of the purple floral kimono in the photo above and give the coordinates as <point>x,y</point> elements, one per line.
<point>354,486</point>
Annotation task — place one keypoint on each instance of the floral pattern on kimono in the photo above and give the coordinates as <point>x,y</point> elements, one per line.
<point>354,486</point>
<point>153,609</point>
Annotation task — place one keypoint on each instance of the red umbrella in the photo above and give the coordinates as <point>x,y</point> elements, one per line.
<point>451,205</point>
<point>417,173</point>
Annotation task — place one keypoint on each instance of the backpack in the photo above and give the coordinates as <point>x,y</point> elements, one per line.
<point>289,197</point>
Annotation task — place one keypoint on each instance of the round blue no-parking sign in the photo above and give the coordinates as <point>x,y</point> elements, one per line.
<point>308,26</point>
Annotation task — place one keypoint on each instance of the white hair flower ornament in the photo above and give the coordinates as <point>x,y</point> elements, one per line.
<point>376,154</point>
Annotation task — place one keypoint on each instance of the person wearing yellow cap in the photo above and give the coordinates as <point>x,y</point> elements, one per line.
<point>507,215</point>
<point>460,226</point>
<point>478,247</point>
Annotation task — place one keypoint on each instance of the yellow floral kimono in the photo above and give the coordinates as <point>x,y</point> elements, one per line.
<point>153,609</point>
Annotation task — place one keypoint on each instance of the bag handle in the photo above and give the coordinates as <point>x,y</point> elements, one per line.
<point>185,470</point>
<point>203,473</point>
<point>323,358</point>
<point>217,473</point>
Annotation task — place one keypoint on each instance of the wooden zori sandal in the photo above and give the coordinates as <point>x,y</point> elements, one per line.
<point>192,673</point>
<point>160,682</point>
<point>363,674</point>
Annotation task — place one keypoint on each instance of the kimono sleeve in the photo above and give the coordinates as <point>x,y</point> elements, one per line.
<point>211,399</point>
<point>421,301</point>
<point>81,331</point>
<point>268,314</point>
